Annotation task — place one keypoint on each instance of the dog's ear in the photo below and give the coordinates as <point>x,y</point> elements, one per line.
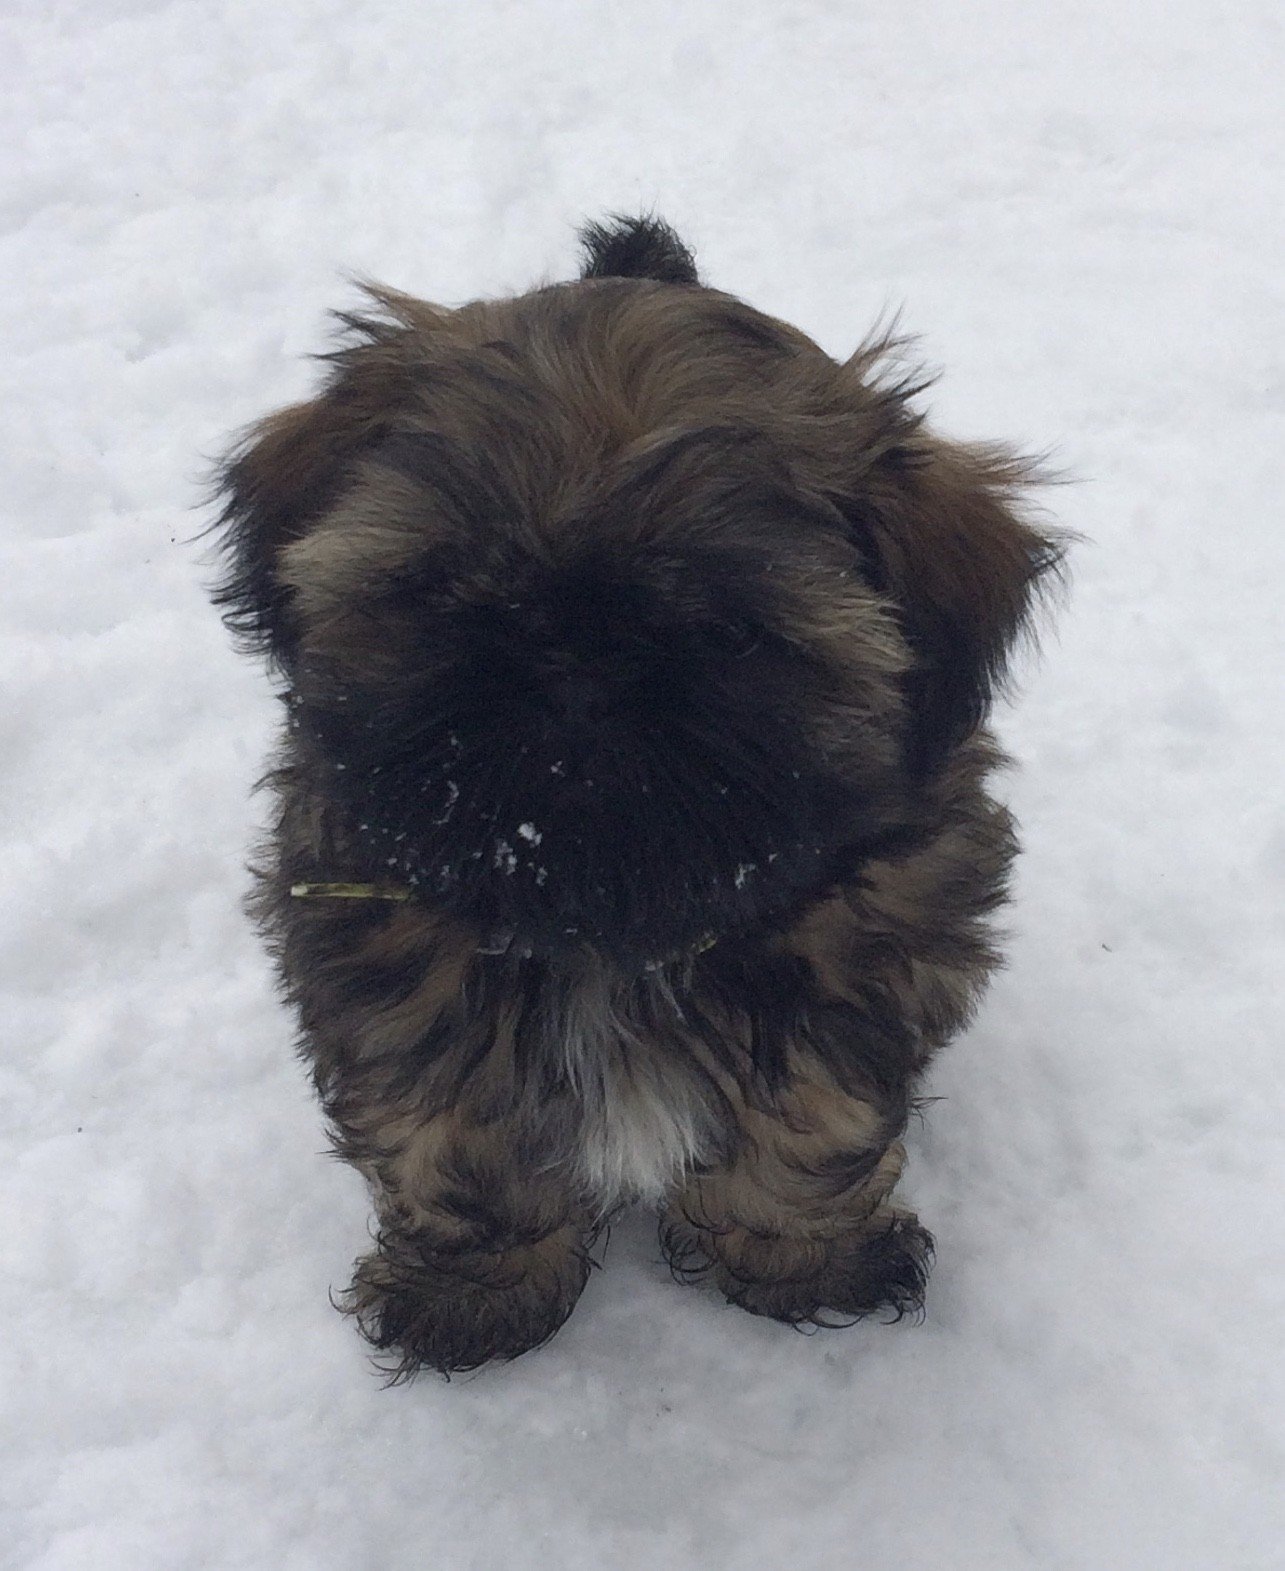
<point>636,248</point>
<point>292,467</point>
<point>949,547</point>
<point>285,473</point>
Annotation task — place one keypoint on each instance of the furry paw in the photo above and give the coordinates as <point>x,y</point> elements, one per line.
<point>425,1306</point>
<point>832,1282</point>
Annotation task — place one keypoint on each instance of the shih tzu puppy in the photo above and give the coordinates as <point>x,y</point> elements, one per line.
<point>631,837</point>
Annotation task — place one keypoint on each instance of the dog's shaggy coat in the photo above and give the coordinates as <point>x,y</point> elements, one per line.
<point>636,656</point>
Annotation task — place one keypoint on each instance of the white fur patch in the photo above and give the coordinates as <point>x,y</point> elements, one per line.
<point>644,1122</point>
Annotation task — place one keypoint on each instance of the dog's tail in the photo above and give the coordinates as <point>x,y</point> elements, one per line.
<point>644,247</point>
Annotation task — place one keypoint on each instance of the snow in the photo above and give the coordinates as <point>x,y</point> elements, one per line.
<point>1078,209</point>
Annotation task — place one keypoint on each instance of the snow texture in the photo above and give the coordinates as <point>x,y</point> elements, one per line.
<point>1078,207</point>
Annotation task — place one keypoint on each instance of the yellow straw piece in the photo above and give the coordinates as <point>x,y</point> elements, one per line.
<point>347,892</point>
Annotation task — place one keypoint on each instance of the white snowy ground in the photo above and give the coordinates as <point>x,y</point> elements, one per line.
<point>1078,207</point>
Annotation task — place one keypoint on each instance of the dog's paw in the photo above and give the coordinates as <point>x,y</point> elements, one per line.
<point>811,1282</point>
<point>423,1307</point>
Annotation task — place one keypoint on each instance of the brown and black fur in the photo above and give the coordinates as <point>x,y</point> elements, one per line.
<point>640,653</point>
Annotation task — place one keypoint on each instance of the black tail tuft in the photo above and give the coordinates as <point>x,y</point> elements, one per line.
<point>636,248</point>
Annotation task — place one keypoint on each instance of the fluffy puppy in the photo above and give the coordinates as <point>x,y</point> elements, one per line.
<point>631,836</point>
